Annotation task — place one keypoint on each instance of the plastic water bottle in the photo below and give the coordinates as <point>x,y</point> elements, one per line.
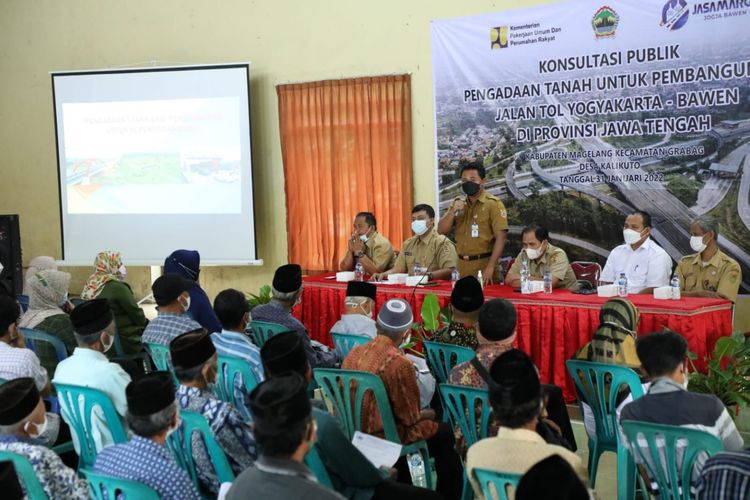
<point>547,282</point>
<point>675,284</point>
<point>417,269</point>
<point>416,469</point>
<point>359,272</point>
<point>525,284</point>
<point>480,278</point>
<point>622,285</point>
<point>455,276</point>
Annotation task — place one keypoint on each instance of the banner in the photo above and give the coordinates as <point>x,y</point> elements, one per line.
<point>584,111</point>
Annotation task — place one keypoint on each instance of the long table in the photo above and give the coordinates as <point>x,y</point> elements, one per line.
<point>550,328</point>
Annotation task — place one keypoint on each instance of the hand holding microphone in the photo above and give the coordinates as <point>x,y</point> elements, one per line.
<point>458,207</point>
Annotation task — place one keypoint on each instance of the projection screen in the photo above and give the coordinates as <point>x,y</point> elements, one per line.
<point>155,159</point>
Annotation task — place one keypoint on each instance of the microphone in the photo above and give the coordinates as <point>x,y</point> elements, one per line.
<point>458,212</point>
<point>434,257</point>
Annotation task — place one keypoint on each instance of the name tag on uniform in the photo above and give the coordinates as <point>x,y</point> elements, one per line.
<point>408,254</point>
<point>475,230</point>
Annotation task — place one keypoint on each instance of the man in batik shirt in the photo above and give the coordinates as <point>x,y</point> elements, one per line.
<point>194,360</point>
<point>22,420</point>
<point>466,300</point>
<point>496,333</point>
<point>384,358</point>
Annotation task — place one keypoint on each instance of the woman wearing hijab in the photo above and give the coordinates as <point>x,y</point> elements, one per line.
<point>37,264</point>
<point>48,293</point>
<point>614,343</point>
<point>107,283</point>
<point>614,340</point>
<point>187,263</point>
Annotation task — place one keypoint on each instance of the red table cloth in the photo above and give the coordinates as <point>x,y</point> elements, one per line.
<point>550,328</point>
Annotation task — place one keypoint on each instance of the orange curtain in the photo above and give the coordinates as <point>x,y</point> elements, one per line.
<point>346,147</point>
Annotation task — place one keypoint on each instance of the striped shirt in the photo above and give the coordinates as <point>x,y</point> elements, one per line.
<point>667,402</point>
<point>239,345</point>
<point>725,475</point>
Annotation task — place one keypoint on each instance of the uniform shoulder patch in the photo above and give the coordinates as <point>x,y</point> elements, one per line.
<point>445,243</point>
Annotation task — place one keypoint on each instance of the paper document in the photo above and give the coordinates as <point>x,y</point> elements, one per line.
<point>380,452</point>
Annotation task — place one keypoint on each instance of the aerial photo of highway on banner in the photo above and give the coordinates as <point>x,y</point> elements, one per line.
<point>674,143</point>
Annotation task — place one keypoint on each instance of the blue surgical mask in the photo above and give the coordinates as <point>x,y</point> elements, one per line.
<point>419,227</point>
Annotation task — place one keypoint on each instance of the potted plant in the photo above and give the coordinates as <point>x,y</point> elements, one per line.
<point>263,297</point>
<point>727,376</point>
<point>432,319</point>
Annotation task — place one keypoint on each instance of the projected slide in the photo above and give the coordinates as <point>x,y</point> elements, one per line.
<point>166,156</point>
<point>154,159</point>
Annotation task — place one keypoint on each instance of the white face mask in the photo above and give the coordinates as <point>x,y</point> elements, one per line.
<point>40,428</point>
<point>406,341</point>
<point>363,238</point>
<point>696,243</point>
<point>630,236</point>
<point>122,271</point>
<point>106,347</point>
<point>365,312</point>
<point>186,305</point>
<point>533,253</point>
<point>419,227</point>
<point>211,384</point>
<point>685,379</point>
<point>64,300</point>
<point>171,430</point>
<point>313,433</point>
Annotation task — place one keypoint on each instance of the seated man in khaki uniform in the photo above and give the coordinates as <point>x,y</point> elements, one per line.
<point>367,246</point>
<point>426,248</point>
<point>481,224</point>
<point>710,272</point>
<point>542,256</point>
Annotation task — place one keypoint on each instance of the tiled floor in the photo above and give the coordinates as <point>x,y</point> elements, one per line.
<point>606,477</point>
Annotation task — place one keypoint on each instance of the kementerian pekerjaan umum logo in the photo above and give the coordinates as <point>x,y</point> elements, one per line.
<point>499,37</point>
<point>605,22</point>
<point>674,14</point>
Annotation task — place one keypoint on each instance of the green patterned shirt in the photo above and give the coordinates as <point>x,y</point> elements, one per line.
<point>457,334</point>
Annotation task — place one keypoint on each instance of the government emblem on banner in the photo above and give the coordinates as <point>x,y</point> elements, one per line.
<point>674,14</point>
<point>499,37</point>
<point>605,22</point>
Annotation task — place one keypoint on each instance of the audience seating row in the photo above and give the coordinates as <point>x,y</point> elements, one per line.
<point>344,390</point>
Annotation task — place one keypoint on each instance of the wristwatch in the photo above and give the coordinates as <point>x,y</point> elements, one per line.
<point>359,254</point>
